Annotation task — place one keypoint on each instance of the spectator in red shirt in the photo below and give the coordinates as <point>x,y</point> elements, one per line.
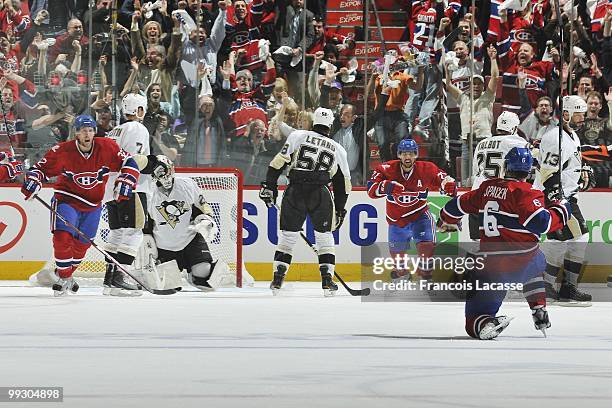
<point>63,50</point>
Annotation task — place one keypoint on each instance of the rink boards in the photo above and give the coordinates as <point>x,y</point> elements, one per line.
<point>25,240</point>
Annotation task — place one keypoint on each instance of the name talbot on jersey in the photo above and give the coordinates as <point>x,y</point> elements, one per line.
<point>317,141</point>
<point>496,192</point>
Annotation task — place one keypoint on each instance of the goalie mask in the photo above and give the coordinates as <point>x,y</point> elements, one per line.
<point>163,173</point>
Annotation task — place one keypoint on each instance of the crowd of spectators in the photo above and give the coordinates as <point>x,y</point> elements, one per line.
<point>227,81</point>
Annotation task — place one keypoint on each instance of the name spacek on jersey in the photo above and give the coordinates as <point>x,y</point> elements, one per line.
<point>81,178</point>
<point>173,213</point>
<point>409,206</point>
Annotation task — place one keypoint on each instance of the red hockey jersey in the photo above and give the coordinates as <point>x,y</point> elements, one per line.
<point>403,209</point>
<point>423,26</point>
<point>81,179</point>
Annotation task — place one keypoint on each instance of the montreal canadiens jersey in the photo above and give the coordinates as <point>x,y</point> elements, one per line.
<point>310,151</point>
<point>489,156</point>
<point>571,160</point>
<point>508,211</point>
<point>133,137</point>
<point>423,176</point>
<point>81,178</point>
<point>173,213</point>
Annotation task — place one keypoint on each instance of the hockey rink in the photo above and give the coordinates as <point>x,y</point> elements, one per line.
<point>246,348</point>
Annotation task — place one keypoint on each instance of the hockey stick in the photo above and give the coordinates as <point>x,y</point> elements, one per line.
<point>353,292</point>
<point>103,252</point>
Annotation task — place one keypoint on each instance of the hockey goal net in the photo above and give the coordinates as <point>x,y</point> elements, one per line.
<point>222,189</point>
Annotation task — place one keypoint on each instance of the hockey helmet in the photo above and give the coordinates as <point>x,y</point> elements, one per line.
<point>407,145</point>
<point>82,121</point>
<point>508,122</point>
<point>519,159</point>
<point>131,102</point>
<point>323,117</point>
<point>573,104</point>
<point>163,173</point>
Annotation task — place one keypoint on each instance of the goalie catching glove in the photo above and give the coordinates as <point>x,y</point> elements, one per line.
<point>206,226</point>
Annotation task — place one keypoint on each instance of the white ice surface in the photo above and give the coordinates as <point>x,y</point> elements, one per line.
<point>249,349</point>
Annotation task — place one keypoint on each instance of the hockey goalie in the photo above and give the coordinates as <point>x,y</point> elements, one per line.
<point>182,225</point>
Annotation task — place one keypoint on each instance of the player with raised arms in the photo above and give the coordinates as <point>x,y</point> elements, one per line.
<point>82,167</point>
<point>512,217</point>
<point>405,185</point>
<point>314,160</point>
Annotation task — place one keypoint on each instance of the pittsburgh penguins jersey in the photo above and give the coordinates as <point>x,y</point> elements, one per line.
<point>307,152</point>
<point>172,214</point>
<point>571,160</point>
<point>133,137</point>
<point>489,156</point>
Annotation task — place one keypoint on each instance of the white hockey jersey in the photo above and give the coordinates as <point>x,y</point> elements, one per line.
<point>571,160</point>
<point>306,150</point>
<point>172,213</point>
<point>489,156</point>
<point>132,137</point>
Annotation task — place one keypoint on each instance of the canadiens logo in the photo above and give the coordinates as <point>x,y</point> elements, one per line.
<point>88,179</point>
<point>408,198</point>
<point>522,35</point>
<point>172,211</point>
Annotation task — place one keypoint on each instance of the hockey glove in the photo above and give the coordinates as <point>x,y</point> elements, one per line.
<point>449,186</point>
<point>339,219</point>
<point>587,178</point>
<point>13,166</point>
<point>390,187</point>
<point>268,194</point>
<point>445,227</point>
<point>206,226</point>
<point>32,183</point>
<point>563,208</point>
<point>123,189</point>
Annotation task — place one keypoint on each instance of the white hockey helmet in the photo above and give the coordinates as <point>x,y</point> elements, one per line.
<point>323,117</point>
<point>508,122</point>
<point>163,173</point>
<point>131,102</point>
<point>573,104</point>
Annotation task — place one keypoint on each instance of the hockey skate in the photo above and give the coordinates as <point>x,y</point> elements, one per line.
<point>494,327</point>
<point>540,318</point>
<point>610,281</point>
<point>570,295</point>
<point>115,285</point>
<point>552,295</point>
<point>327,283</point>
<point>278,279</point>
<point>64,286</point>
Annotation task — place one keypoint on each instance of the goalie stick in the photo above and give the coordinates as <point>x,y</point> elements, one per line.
<point>353,292</point>
<point>103,252</point>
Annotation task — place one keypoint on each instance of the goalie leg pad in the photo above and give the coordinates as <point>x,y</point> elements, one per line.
<point>221,276</point>
<point>130,241</point>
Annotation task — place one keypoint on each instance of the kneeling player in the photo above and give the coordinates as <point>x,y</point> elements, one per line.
<point>182,225</point>
<point>9,167</point>
<point>405,184</point>
<point>512,217</point>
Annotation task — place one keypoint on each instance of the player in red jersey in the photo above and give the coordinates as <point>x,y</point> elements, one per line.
<point>405,184</point>
<point>512,218</point>
<point>82,167</point>
<point>9,167</point>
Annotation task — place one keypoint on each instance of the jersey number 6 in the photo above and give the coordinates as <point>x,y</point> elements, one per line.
<point>489,221</point>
